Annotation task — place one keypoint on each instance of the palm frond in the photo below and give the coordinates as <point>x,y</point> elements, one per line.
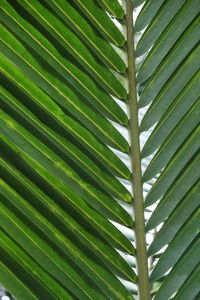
<point>66,109</point>
<point>172,79</point>
<point>60,180</point>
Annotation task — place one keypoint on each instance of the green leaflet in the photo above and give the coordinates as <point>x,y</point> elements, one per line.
<point>51,112</point>
<point>63,95</point>
<point>60,145</point>
<point>113,7</point>
<point>167,15</point>
<point>84,260</point>
<point>138,2</point>
<point>44,255</point>
<point>174,58</point>
<point>161,48</point>
<point>171,89</point>
<point>178,245</point>
<point>173,115</point>
<point>38,282</point>
<point>176,219</point>
<point>15,286</point>
<point>101,21</point>
<point>97,44</point>
<point>49,259</point>
<point>181,271</point>
<point>63,64</point>
<point>175,166</point>
<point>147,13</point>
<point>173,142</point>
<point>33,150</point>
<point>190,288</point>
<point>54,187</point>
<point>188,177</point>
<point>75,47</point>
<point>67,220</point>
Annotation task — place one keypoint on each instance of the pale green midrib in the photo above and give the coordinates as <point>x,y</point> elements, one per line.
<point>142,263</point>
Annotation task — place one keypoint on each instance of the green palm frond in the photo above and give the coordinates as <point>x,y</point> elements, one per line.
<point>68,98</point>
<point>172,80</point>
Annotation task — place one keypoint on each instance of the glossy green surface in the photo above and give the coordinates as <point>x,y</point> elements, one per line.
<point>66,208</point>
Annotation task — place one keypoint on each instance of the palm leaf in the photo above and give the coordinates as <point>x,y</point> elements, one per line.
<point>66,204</point>
<point>171,80</point>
